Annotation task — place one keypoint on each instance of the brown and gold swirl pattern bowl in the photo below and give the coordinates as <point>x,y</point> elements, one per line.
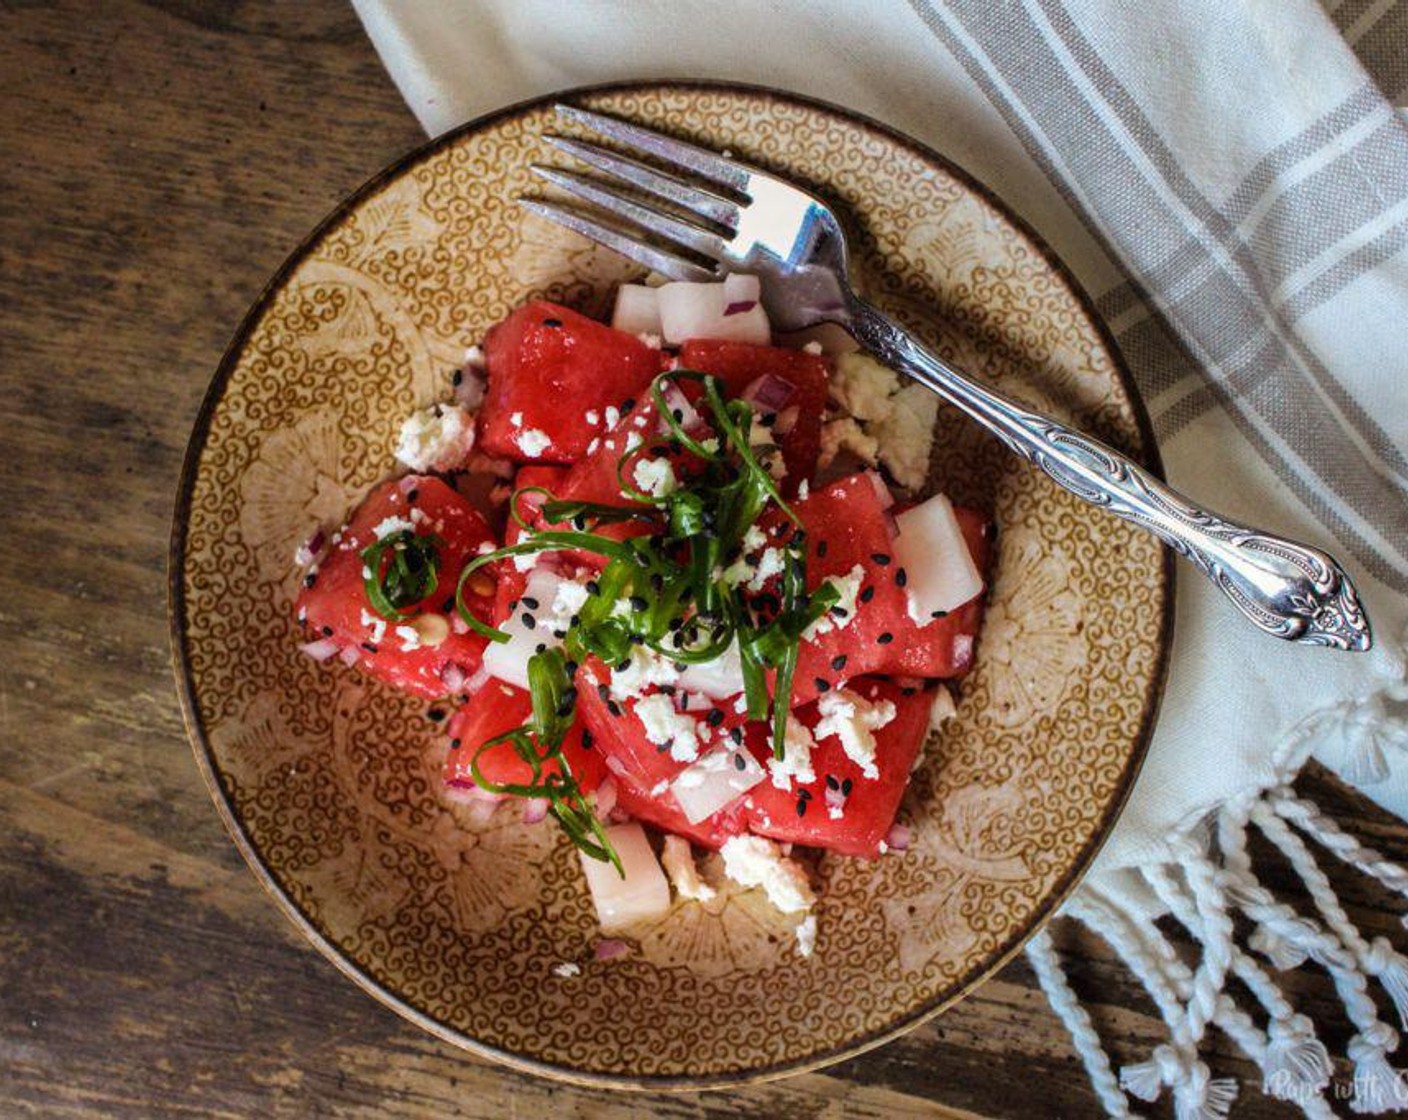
<point>328,782</point>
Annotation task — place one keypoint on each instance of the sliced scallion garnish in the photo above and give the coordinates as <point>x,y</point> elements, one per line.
<point>402,568</point>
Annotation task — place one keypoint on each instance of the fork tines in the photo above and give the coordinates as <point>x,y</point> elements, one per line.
<point>685,244</point>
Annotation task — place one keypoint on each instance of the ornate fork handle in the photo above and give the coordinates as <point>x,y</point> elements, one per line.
<point>1290,590</point>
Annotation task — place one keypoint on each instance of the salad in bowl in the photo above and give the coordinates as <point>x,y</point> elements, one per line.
<point>677,587</point>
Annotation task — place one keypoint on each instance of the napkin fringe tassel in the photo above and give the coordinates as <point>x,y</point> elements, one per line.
<point>1207,882</point>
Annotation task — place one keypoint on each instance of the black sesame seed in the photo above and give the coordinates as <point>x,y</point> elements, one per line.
<point>831,782</point>
<point>938,614</point>
<point>559,633</point>
<point>528,620</point>
<point>639,603</point>
<point>657,582</point>
<point>412,496</point>
<point>613,707</point>
<point>678,414</point>
<point>908,691</point>
<point>448,605</point>
<point>822,685</point>
<point>455,743</point>
<point>571,668</point>
<point>531,603</point>
<point>579,522</point>
<point>663,747</point>
<point>369,647</point>
<point>435,715</point>
<point>880,558</point>
<point>627,404</point>
<point>840,611</point>
<point>674,624</point>
<point>736,734</point>
<point>310,579</point>
<point>804,794</point>
<point>327,631</point>
<point>715,717</point>
<point>587,739</point>
<point>768,419</point>
<point>901,577</point>
<point>603,691</point>
<point>568,702</point>
<point>739,763</point>
<point>867,594</point>
<point>457,378</point>
<point>576,618</point>
<point>820,549</point>
<point>513,605</point>
<point>667,689</point>
<point>846,787</point>
<point>886,638</point>
<point>593,588</point>
<point>801,807</point>
<point>622,666</point>
<point>552,322</point>
<point>838,662</point>
<point>542,647</point>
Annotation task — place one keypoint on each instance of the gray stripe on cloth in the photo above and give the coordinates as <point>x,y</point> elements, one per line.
<point>1111,185</point>
<point>1383,51</point>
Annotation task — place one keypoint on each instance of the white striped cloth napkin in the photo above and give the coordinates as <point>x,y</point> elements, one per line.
<point>1231,182</point>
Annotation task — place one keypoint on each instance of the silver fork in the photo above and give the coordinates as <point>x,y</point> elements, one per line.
<point>722,216</point>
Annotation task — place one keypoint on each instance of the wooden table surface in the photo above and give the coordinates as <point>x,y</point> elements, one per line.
<point>160,159</point>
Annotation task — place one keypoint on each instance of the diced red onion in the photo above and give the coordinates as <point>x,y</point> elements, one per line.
<point>770,392</point>
<point>617,815</point>
<point>311,549</point>
<point>320,650</point>
<point>350,656</point>
<point>407,484</point>
<point>477,681</point>
<point>453,676</point>
<point>962,649</point>
<point>470,391</point>
<point>608,949</point>
<point>458,625</point>
<point>605,797</point>
<point>535,809</point>
<point>899,837</point>
<point>740,307</point>
<point>835,799</point>
<point>468,793</point>
<point>676,401</point>
<point>881,490</point>
<point>617,767</point>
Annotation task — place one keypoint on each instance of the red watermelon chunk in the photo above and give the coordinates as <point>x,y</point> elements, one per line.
<point>943,647</point>
<point>512,579</point>
<point>494,709</point>
<point>437,653</point>
<point>740,364</point>
<point>864,808</point>
<point>642,770</point>
<point>550,370</point>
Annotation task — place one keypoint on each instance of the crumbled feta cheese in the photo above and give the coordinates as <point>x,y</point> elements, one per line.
<point>655,477</point>
<point>525,561</point>
<point>806,932</point>
<point>844,609</point>
<point>474,358</point>
<point>591,447</point>
<point>410,638</point>
<point>718,678</point>
<point>906,437</point>
<point>853,719</point>
<point>593,416</point>
<point>654,341</point>
<point>437,438</point>
<point>864,387</point>
<point>645,668</point>
<point>532,441</point>
<point>666,727</point>
<point>516,419</point>
<point>567,969</point>
<point>796,760</point>
<point>391,525</point>
<point>813,347</point>
<point>571,597</point>
<point>634,440</point>
<point>613,416</point>
<point>376,625</point>
<point>679,865</point>
<point>804,490</point>
<point>844,434</point>
<point>741,704</point>
<point>752,861</point>
<point>755,575</point>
